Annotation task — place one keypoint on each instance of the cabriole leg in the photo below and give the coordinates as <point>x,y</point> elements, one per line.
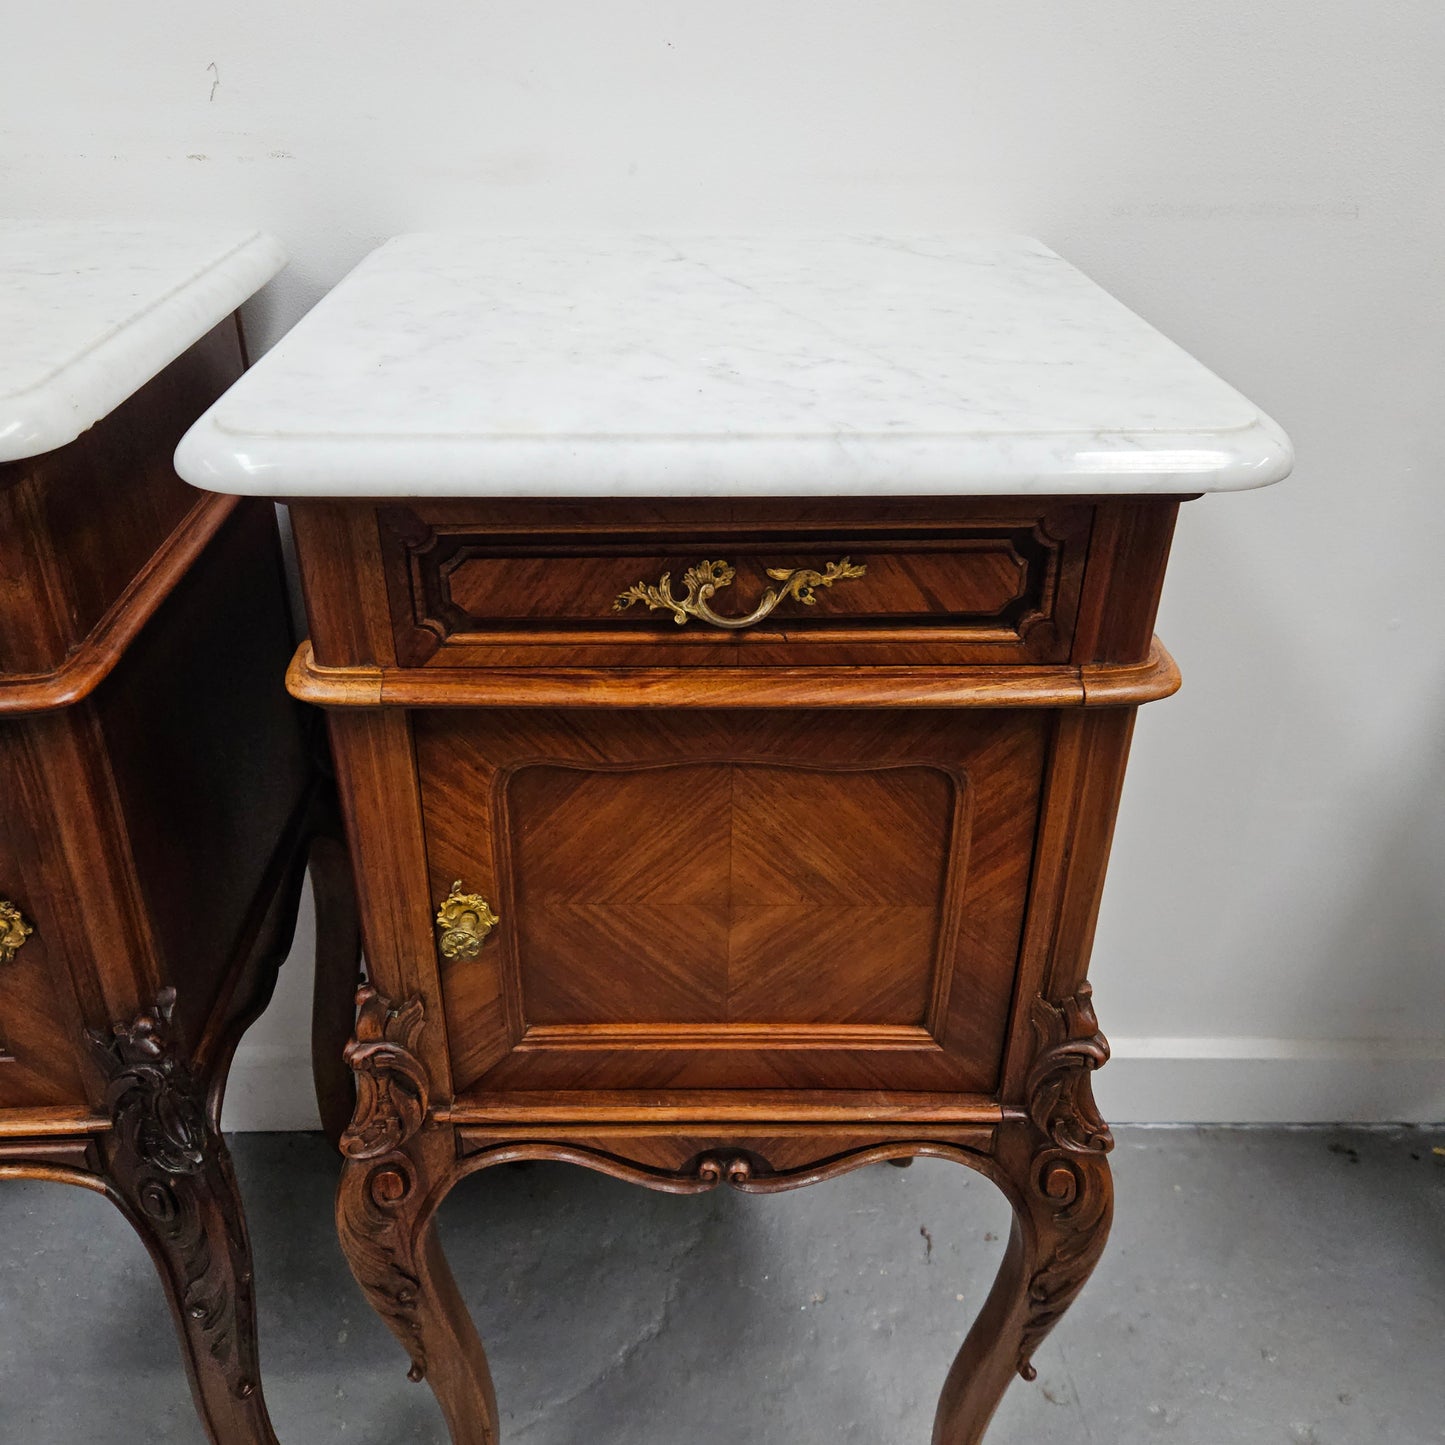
<point>396,1173</point>
<point>1062,1208</point>
<point>165,1164</point>
<point>1053,1165</point>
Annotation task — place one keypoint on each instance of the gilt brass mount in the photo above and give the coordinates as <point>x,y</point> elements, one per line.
<point>14,930</point>
<point>465,920</point>
<point>708,578</point>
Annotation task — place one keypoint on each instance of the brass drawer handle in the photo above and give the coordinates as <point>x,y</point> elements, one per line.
<point>465,920</point>
<point>14,930</point>
<point>708,578</point>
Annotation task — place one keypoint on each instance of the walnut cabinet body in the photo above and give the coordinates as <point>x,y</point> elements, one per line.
<point>693,903</point>
<point>157,803</point>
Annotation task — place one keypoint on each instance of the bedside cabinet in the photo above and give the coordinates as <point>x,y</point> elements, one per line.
<point>731,652</point>
<point>157,797</point>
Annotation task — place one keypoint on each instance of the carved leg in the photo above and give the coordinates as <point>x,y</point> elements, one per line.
<point>1062,1208</point>
<point>338,967</point>
<point>1054,1168</point>
<point>166,1166</point>
<point>396,1174</point>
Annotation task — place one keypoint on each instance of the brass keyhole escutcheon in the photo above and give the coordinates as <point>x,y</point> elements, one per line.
<point>465,920</point>
<point>14,930</point>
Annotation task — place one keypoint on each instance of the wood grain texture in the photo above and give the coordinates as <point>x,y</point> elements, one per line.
<point>381,803</point>
<point>91,661</point>
<point>337,554</point>
<point>80,524</point>
<point>1128,552</point>
<point>1081,800</point>
<point>168,1168</point>
<point>1102,685</point>
<point>956,583</point>
<point>155,781</point>
<point>733,869</point>
<point>41,1059</point>
<point>385,1205</point>
<point>565,1108</point>
<point>39,1122</point>
<point>771,907</point>
<point>752,1158</point>
<point>207,753</point>
<point>711,877</point>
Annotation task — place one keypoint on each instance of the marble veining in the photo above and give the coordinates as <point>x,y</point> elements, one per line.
<point>451,364</point>
<point>90,312</point>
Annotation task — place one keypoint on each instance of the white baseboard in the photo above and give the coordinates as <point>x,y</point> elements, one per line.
<point>1273,1081</point>
<point>1148,1081</point>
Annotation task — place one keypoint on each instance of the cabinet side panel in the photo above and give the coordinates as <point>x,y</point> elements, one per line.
<point>35,630</point>
<point>1124,578</point>
<point>1081,803</point>
<point>376,777</point>
<point>346,610</point>
<point>208,752</point>
<point>91,514</point>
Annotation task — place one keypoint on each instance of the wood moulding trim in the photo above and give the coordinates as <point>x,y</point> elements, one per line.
<point>1126,684</point>
<point>635,1037</point>
<point>97,655</point>
<point>731,1164</point>
<point>760,1107</point>
<point>1002,686</point>
<point>50,1123</point>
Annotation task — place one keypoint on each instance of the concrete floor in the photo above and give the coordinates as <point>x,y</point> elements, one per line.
<point>1276,1286</point>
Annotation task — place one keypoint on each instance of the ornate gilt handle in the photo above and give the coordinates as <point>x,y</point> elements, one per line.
<point>14,930</point>
<point>465,920</point>
<point>708,578</point>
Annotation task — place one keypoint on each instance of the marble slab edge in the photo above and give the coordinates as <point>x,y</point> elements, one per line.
<point>1132,464</point>
<point>93,384</point>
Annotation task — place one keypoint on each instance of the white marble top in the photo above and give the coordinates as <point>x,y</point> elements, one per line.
<point>90,312</point>
<point>455,365</point>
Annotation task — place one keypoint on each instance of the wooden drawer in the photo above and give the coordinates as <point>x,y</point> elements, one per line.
<point>476,584</point>
<point>788,900</point>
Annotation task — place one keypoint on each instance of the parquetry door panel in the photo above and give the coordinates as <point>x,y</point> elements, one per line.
<point>732,899</point>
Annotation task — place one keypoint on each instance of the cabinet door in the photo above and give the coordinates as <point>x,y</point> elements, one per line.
<point>40,1028</point>
<point>796,900</point>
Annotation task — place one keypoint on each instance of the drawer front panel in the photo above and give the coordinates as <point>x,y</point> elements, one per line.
<point>504,590</point>
<point>732,900</point>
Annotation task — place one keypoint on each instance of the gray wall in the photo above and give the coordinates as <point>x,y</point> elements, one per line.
<point>1263,182</point>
